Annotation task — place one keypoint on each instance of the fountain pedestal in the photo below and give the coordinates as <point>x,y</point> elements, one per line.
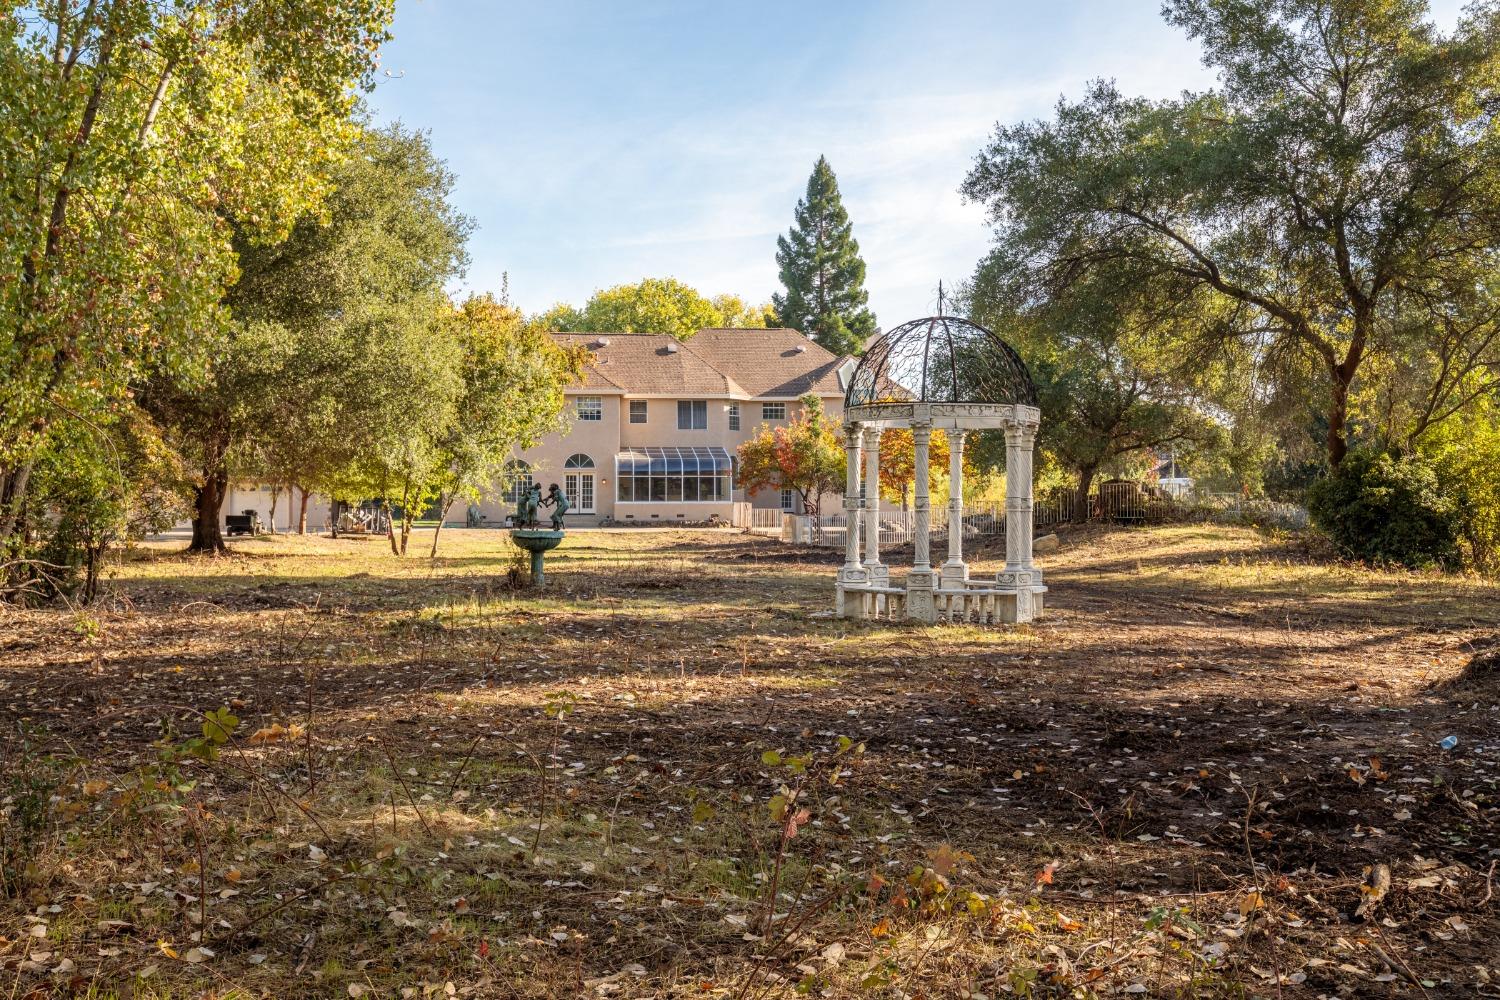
<point>537,541</point>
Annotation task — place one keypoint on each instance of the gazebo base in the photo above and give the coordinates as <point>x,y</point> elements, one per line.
<point>977,604</point>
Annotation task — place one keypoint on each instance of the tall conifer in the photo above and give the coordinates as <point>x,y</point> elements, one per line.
<point>822,270</point>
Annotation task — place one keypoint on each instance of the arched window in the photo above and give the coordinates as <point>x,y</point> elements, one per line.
<point>517,480</point>
<point>579,461</point>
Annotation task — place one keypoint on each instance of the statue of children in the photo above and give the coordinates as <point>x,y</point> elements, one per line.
<point>558,501</point>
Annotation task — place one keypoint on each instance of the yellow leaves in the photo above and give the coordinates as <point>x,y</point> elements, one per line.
<point>95,787</point>
<point>881,929</point>
<point>1355,776</point>
<point>1251,902</point>
<point>167,949</point>
<point>233,875</point>
<point>277,733</point>
<point>1044,877</point>
<point>1376,771</point>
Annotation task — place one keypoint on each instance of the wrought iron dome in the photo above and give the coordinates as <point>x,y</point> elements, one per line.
<point>940,359</point>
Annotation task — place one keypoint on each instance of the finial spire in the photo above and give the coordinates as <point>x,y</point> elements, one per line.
<point>940,297</point>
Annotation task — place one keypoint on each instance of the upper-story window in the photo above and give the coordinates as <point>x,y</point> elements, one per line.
<point>773,411</point>
<point>590,408</point>
<point>733,412</point>
<point>637,411</point>
<point>692,414</point>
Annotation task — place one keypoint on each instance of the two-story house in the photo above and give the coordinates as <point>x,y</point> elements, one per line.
<point>655,423</point>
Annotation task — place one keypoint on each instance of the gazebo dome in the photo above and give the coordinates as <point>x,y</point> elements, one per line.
<point>940,359</point>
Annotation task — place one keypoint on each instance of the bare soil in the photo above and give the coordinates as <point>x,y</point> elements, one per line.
<point>1216,767</point>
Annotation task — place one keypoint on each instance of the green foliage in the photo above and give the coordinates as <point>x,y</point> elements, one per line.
<point>337,348</point>
<point>99,485</point>
<point>1343,165</point>
<point>131,135</point>
<point>1111,371</point>
<point>822,270</point>
<point>1384,509</point>
<point>803,455</point>
<point>1465,452</point>
<point>653,305</point>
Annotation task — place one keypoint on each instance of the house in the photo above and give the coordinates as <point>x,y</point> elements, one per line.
<point>655,424</point>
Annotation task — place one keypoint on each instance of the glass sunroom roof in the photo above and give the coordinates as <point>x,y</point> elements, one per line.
<point>691,460</point>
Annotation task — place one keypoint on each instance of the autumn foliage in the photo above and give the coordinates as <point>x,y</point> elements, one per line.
<point>802,455</point>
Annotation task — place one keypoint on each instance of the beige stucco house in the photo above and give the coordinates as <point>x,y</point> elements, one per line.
<point>654,425</point>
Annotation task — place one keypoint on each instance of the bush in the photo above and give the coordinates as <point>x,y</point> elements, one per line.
<point>1465,450</point>
<point>1385,509</point>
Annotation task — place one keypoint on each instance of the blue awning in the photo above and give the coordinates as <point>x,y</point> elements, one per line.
<point>695,460</point>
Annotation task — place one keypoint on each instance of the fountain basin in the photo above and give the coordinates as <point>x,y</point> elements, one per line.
<point>537,541</point>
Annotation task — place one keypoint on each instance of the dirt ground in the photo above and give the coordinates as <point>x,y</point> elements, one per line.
<point>1218,766</point>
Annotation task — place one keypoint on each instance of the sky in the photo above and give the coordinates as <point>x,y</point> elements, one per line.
<point>599,143</point>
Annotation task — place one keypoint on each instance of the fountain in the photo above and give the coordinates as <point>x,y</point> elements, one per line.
<point>529,535</point>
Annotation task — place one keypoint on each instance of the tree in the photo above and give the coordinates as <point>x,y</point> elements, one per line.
<point>735,314</point>
<point>1114,373</point>
<point>1345,160</point>
<point>651,305</point>
<point>513,376</point>
<point>898,461</point>
<point>802,455</point>
<point>320,322</point>
<point>822,271</point>
<point>114,228</point>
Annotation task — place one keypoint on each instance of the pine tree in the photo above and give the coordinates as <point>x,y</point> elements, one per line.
<point>822,270</point>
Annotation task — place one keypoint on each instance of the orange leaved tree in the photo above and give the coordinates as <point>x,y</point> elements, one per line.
<point>898,462</point>
<point>804,455</point>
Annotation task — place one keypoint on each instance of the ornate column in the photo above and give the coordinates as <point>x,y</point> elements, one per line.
<point>921,581</point>
<point>955,570</point>
<point>877,571</point>
<point>851,572</point>
<point>1020,439</point>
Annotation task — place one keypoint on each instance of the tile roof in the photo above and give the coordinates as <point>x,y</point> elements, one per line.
<point>713,362</point>
<point>770,362</point>
<point>648,364</point>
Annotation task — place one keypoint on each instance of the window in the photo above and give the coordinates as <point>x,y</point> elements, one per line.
<point>590,408</point>
<point>733,410</point>
<point>692,415</point>
<point>637,411</point>
<point>517,479</point>
<point>789,500</point>
<point>664,475</point>
<point>578,483</point>
<point>773,411</point>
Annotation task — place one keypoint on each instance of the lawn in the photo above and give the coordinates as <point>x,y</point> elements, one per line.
<point>1215,768</point>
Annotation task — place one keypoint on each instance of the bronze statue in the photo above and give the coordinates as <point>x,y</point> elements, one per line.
<point>558,501</point>
<point>528,506</point>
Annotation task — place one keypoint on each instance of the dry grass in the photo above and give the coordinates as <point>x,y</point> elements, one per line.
<point>1174,783</point>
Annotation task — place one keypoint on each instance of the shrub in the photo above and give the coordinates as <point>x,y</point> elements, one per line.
<point>1465,450</point>
<point>1386,509</point>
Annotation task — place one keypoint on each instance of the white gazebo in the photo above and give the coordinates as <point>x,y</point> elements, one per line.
<point>939,373</point>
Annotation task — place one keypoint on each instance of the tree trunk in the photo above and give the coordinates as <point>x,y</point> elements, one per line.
<point>443,509</point>
<point>1080,512</point>
<point>275,496</point>
<point>302,515</point>
<point>208,536</point>
<point>12,498</point>
<point>390,529</point>
<point>1338,412</point>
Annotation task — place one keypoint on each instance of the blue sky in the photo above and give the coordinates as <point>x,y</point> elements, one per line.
<point>599,143</point>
